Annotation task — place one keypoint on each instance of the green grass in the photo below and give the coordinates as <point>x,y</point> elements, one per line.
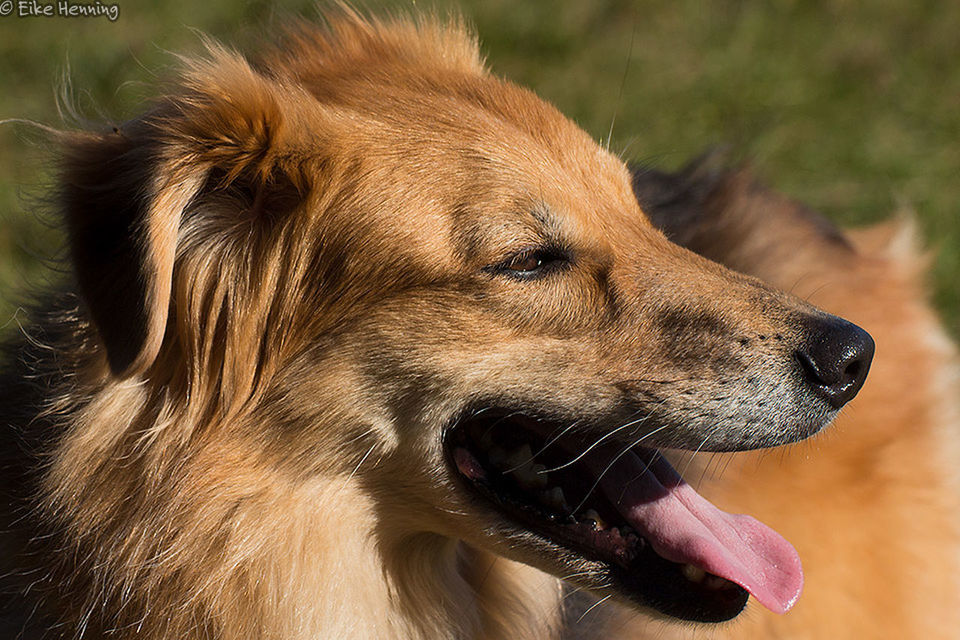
<point>852,107</point>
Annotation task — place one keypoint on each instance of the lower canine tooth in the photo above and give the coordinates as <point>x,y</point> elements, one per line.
<point>528,477</point>
<point>554,497</point>
<point>715,582</point>
<point>693,573</point>
<point>521,457</point>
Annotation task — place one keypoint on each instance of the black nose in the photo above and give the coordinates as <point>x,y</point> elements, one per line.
<point>835,358</point>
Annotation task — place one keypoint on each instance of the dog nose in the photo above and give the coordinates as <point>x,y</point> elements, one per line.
<point>835,358</point>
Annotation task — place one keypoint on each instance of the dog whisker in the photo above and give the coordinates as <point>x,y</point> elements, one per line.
<point>594,445</point>
<point>362,460</point>
<point>359,436</point>
<point>575,575</point>
<point>542,449</point>
<point>614,461</point>
<point>600,477</point>
<point>623,82</point>
<point>645,468</point>
<point>606,435</point>
<point>654,381</point>
<point>501,419</point>
<point>693,454</point>
<point>725,460</point>
<point>593,606</point>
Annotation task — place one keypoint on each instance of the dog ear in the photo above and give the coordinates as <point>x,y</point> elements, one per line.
<point>125,192</point>
<point>122,210</point>
<point>676,203</point>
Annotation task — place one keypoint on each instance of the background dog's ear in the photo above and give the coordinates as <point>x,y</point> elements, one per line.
<point>725,215</point>
<point>125,192</point>
<point>676,203</point>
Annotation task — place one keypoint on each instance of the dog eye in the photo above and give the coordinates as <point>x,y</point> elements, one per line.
<point>530,263</point>
<point>526,262</point>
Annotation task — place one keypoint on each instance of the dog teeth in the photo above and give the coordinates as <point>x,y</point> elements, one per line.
<point>553,497</point>
<point>715,583</point>
<point>529,479</point>
<point>498,457</point>
<point>697,575</point>
<point>520,458</point>
<point>531,476</point>
<point>694,573</point>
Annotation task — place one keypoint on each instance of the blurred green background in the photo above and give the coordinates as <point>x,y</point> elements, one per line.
<point>852,107</point>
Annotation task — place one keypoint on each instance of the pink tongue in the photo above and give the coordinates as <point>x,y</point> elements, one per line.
<point>684,527</point>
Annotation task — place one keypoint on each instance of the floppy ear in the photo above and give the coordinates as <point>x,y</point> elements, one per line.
<point>124,193</point>
<point>122,209</point>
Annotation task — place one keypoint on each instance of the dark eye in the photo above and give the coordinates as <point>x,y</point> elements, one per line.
<point>525,262</point>
<point>531,263</point>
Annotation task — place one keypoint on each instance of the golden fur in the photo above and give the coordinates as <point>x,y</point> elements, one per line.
<point>231,428</point>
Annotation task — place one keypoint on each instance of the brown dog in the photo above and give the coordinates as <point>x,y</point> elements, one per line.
<point>872,504</point>
<point>352,320</point>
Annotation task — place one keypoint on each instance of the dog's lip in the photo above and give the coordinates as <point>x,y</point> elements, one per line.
<point>682,527</point>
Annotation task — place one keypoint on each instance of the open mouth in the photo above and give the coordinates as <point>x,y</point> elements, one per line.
<point>664,545</point>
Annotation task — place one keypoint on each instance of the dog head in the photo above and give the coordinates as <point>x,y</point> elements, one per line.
<point>363,255</point>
